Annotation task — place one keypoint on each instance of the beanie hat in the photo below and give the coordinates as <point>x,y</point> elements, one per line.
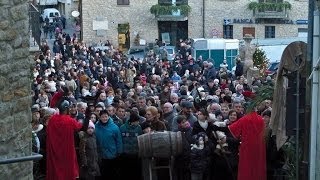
<point>91,125</point>
<point>49,112</point>
<point>134,117</point>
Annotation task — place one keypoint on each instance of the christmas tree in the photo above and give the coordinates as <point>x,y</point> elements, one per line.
<point>260,60</point>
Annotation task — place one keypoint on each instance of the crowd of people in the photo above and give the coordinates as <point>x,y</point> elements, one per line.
<point>90,105</point>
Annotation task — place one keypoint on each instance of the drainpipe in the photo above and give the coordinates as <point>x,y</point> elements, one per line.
<point>315,101</point>
<point>203,18</point>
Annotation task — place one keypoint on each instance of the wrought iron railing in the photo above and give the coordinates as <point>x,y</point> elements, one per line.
<point>34,24</point>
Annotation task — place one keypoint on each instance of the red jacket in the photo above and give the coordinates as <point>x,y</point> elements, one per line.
<point>61,155</point>
<point>252,155</point>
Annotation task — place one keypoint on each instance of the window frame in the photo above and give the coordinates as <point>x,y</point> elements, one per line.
<point>123,2</point>
<point>228,33</point>
<point>269,32</point>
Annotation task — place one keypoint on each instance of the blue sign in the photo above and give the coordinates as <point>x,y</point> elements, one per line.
<point>301,21</point>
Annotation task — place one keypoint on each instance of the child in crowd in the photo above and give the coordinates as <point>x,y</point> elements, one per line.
<point>222,146</point>
<point>88,154</point>
<point>199,157</point>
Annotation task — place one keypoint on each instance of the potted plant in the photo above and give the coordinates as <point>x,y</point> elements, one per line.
<point>169,9</point>
<point>257,6</point>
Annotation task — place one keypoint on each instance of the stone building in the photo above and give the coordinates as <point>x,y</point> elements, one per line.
<point>119,20</point>
<point>15,89</point>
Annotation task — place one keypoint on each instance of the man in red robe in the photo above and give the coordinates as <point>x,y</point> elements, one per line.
<point>61,155</point>
<point>252,154</point>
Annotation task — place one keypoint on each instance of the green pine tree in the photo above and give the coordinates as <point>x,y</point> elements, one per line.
<point>260,60</point>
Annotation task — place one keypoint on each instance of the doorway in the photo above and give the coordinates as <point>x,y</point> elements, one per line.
<point>124,36</point>
<point>173,31</point>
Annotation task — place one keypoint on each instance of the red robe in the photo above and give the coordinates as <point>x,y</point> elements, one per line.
<point>61,155</point>
<point>252,154</point>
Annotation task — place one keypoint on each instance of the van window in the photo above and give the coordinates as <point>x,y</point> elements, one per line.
<point>170,51</point>
<point>51,15</point>
<point>200,44</point>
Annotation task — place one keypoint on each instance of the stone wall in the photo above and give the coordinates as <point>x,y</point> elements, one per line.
<point>138,15</point>
<point>15,100</point>
<point>217,11</point>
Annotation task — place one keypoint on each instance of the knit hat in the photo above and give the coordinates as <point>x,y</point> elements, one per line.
<point>49,112</point>
<point>91,125</point>
<point>134,117</point>
<point>35,108</point>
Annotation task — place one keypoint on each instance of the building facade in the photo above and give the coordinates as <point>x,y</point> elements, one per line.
<point>124,21</point>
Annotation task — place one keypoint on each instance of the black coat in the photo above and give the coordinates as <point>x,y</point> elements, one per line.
<point>199,160</point>
<point>239,69</point>
<point>196,129</point>
<point>88,156</point>
<point>226,166</point>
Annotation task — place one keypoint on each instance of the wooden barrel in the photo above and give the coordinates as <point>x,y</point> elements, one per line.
<point>160,144</point>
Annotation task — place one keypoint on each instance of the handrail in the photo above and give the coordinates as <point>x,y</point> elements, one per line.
<point>32,157</point>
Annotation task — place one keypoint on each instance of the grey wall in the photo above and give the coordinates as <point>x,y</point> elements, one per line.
<point>15,99</point>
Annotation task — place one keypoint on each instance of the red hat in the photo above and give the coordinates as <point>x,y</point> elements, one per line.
<point>248,94</point>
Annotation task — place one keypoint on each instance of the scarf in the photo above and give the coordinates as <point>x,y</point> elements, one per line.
<point>204,124</point>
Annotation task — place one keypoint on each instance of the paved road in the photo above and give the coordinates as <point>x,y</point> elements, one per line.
<point>69,30</point>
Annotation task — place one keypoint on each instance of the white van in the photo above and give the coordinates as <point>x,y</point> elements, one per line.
<point>51,13</point>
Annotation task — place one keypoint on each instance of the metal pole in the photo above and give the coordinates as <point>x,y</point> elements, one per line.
<point>32,157</point>
<point>315,101</point>
<point>297,118</point>
<point>307,109</point>
<point>203,18</point>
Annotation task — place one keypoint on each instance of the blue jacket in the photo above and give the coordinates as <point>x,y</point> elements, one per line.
<point>129,138</point>
<point>109,141</point>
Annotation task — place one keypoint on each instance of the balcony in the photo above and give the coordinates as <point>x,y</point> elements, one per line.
<point>270,10</point>
<point>171,12</point>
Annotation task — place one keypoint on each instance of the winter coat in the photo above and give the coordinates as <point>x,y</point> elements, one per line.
<point>119,122</point>
<point>168,118</point>
<point>211,73</point>
<point>129,137</point>
<point>239,69</point>
<point>197,129</point>
<point>199,160</point>
<point>109,141</point>
<point>88,156</point>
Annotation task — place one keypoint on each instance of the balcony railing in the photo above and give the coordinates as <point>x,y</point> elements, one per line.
<point>270,10</point>
<point>171,12</point>
<point>271,14</point>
